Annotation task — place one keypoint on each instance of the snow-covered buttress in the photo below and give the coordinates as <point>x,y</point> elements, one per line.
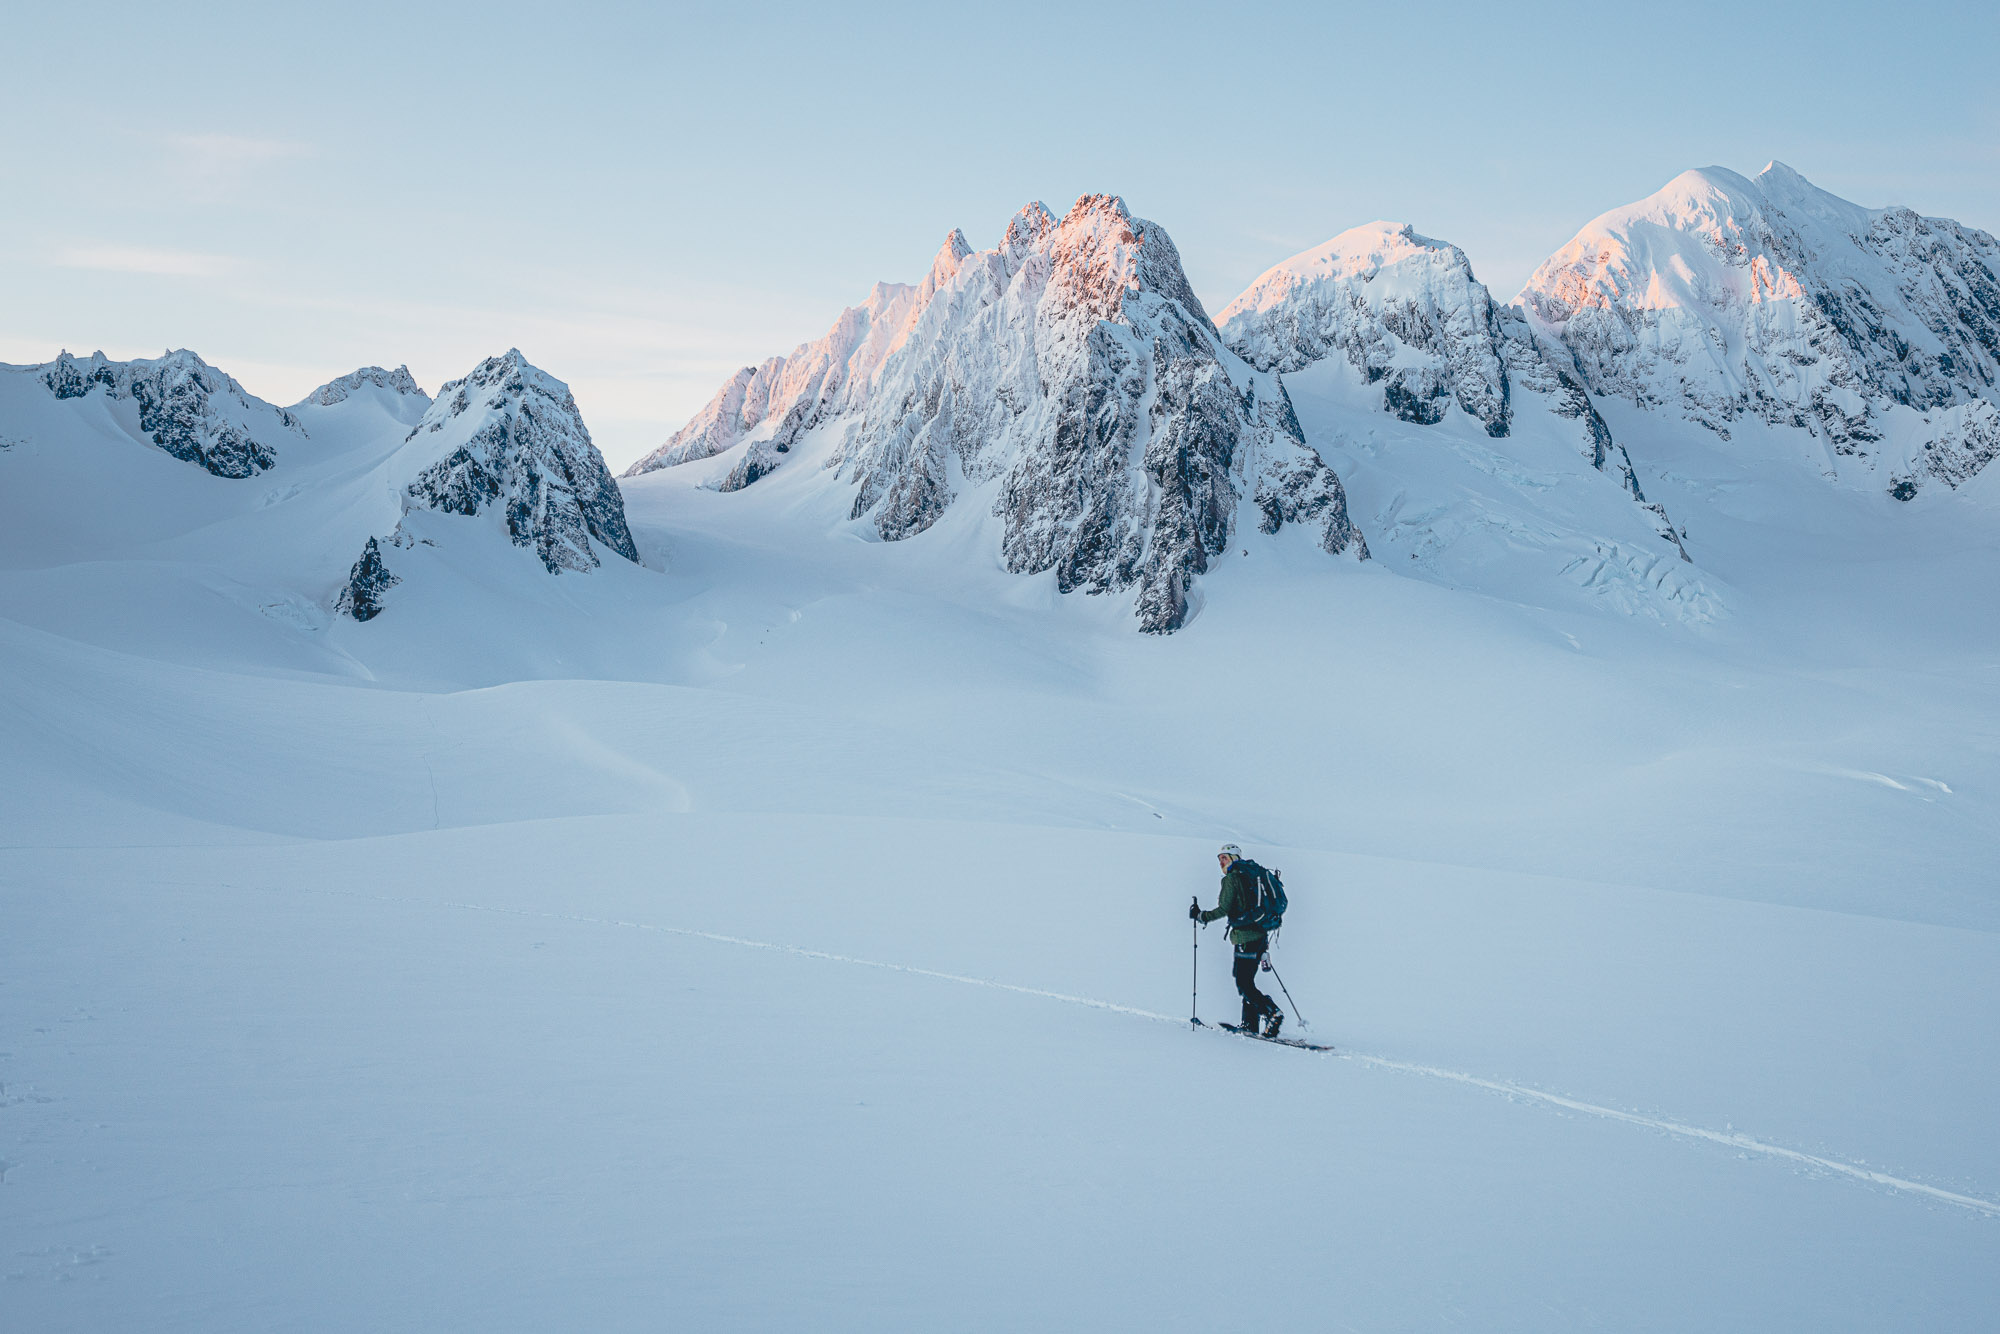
<point>185,406</point>
<point>1874,331</point>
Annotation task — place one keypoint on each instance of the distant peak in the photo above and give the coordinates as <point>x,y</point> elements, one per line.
<point>398,381</point>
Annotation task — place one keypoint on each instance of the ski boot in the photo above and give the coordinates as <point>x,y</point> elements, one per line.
<point>1274,1023</point>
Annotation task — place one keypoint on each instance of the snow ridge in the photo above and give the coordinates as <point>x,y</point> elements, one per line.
<point>782,399</point>
<point>1876,332</point>
<point>185,406</point>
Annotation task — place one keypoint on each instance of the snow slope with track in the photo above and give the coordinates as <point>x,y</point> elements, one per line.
<point>788,930</point>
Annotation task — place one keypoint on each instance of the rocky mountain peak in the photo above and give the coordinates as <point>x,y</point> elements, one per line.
<point>1099,252</point>
<point>1404,310</point>
<point>506,439</point>
<point>1069,381</point>
<point>511,435</point>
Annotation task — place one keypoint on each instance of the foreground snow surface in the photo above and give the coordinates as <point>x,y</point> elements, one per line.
<point>795,938</point>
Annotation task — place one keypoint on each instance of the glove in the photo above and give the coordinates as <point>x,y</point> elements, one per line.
<point>1194,912</point>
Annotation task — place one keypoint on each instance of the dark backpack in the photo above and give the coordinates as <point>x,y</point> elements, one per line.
<point>1265,908</point>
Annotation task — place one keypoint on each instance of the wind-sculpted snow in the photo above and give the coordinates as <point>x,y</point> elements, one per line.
<point>508,437</point>
<point>782,399</point>
<point>1403,309</point>
<point>1876,332</point>
<point>185,406</point>
<point>398,381</point>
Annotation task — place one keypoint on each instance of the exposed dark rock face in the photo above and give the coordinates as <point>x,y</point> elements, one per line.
<point>1424,407</point>
<point>361,598</point>
<point>186,407</point>
<point>515,438</point>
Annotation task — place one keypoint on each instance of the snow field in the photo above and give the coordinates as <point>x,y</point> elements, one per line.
<point>391,1106</point>
<point>593,950</point>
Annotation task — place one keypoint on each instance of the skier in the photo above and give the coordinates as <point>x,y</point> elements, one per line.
<point>1239,893</point>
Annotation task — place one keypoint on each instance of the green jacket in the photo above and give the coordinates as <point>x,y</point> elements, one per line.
<point>1235,888</point>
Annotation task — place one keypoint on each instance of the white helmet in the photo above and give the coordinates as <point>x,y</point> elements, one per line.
<point>1230,850</point>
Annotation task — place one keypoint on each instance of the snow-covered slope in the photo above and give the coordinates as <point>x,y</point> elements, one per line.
<point>1869,339</point>
<point>777,402</point>
<point>1469,443</point>
<point>508,440</point>
<point>1068,383</point>
<point>179,403</point>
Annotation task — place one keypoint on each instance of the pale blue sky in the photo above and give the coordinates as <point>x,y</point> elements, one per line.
<point>643,198</point>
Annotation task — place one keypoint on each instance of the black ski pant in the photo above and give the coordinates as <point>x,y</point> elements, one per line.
<point>1255,1003</point>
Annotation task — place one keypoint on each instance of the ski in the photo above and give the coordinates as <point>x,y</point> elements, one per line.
<point>1243,1032</point>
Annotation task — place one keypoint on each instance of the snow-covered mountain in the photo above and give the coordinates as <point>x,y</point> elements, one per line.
<point>1403,309</point>
<point>1871,337</point>
<point>1069,382</point>
<point>179,403</point>
<point>1381,330</point>
<point>507,439</point>
<point>399,385</point>
<point>772,405</point>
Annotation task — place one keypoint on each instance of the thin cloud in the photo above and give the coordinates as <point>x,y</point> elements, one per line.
<point>229,154</point>
<point>143,259</point>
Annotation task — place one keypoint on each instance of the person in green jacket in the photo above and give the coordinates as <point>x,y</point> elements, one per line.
<point>1237,894</point>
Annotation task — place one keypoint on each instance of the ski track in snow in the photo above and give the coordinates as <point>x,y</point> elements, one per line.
<point>1728,1139</point>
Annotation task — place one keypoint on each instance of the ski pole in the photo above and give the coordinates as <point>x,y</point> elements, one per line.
<point>1303,1021</point>
<point>1194,991</point>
